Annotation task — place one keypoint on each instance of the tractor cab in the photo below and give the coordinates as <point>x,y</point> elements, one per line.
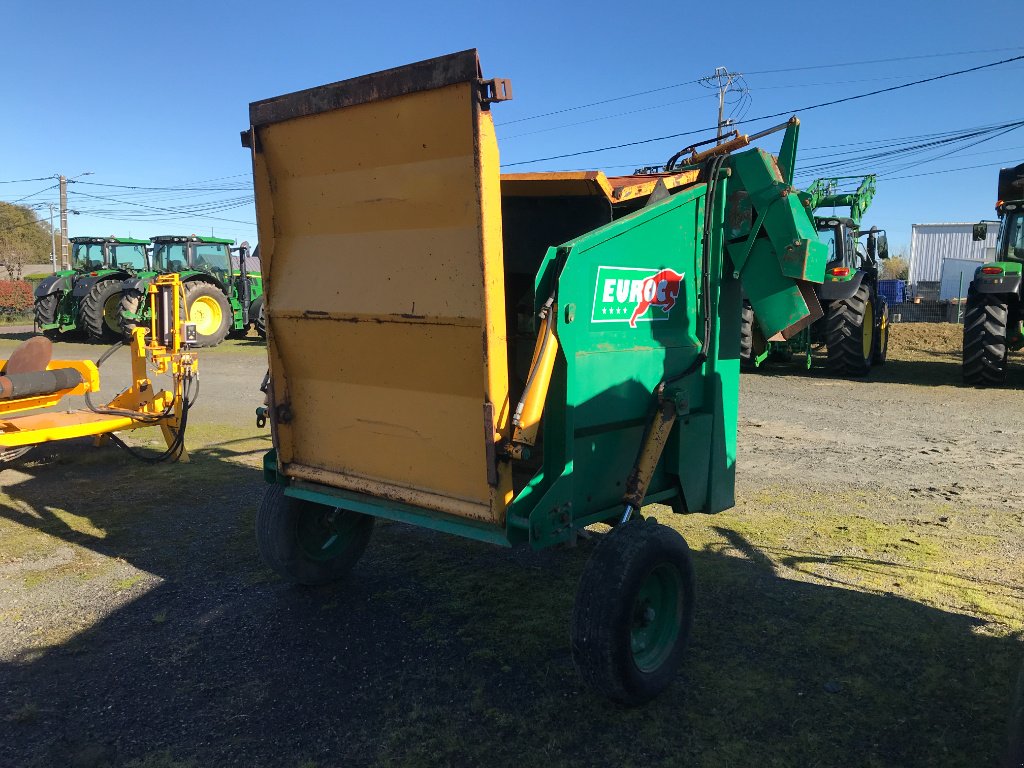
<point>839,235</point>
<point>92,254</point>
<point>1010,246</point>
<point>190,253</point>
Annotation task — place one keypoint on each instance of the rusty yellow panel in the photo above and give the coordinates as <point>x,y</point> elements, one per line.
<point>615,189</point>
<point>380,237</point>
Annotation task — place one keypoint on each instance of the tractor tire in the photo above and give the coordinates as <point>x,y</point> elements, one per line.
<point>633,612</point>
<point>747,336</point>
<point>309,543</point>
<point>45,312</point>
<point>100,312</point>
<point>881,333</point>
<point>209,309</point>
<point>131,302</point>
<point>258,313</point>
<point>985,349</point>
<point>850,333</point>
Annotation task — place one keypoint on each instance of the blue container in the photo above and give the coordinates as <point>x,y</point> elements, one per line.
<point>894,291</point>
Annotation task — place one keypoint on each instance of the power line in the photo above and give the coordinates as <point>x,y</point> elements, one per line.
<point>19,181</point>
<point>830,103</point>
<point>168,210</point>
<point>26,197</point>
<point>764,72</point>
<point>951,170</point>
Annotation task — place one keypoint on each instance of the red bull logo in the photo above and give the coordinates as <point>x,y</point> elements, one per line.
<point>632,294</point>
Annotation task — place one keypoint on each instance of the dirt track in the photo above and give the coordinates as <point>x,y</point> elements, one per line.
<point>861,605</point>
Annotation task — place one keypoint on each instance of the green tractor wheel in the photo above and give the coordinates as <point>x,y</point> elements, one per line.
<point>100,312</point>
<point>309,543</point>
<point>633,612</point>
<point>45,311</point>
<point>209,309</point>
<point>850,334</point>
<point>985,350</point>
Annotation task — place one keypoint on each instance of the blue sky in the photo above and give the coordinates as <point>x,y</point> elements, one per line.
<point>155,94</point>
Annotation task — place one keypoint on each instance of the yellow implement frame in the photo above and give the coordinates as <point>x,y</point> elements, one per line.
<point>140,405</point>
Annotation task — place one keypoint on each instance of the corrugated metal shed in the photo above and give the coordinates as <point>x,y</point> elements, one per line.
<point>931,244</point>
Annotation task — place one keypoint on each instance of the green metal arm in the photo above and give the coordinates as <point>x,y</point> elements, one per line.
<point>822,194</point>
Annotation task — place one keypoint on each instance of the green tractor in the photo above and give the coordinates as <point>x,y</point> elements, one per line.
<point>222,295</point>
<point>992,319</point>
<point>86,297</point>
<point>854,325</point>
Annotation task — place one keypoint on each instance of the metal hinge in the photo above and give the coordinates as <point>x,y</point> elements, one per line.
<point>498,89</point>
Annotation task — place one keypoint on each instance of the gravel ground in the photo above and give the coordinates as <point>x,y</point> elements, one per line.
<point>861,605</point>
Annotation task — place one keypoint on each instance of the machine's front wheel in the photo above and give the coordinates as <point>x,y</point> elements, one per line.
<point>309,543</point>
<point>209,309</point>
<point>633,612</point>
<point>985,349</point>
<point>45,311</point>
<point>100,314</point>
<point>850,334</point>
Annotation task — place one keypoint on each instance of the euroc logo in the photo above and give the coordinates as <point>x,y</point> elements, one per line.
<point>631,294</point>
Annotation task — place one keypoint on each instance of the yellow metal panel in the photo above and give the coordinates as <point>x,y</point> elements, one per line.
<point>380,238</point>
<point>616,189</point>
<point>48,427</point>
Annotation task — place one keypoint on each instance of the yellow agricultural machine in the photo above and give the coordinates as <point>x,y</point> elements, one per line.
<point>509,358</point>
<point>31,383</point>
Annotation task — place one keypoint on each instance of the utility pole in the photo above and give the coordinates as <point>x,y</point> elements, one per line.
<point>63,220</point>
<point>53,240</point>
<point>723,80</point>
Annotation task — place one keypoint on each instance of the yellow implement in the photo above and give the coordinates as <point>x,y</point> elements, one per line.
<point>31,382</point>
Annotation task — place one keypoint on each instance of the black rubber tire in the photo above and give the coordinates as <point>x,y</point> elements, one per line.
<point>881,332</point>
<point>1015,727</point>
<point>45,311</point>
<point>131,300</point>
<point>603,614</point>
<point>844,334</point>
<point>747,336</point>
<point>198,289</point>
<point>91,315</point>
<point>985,350</point>
<point>280,548</point>
<point>258,313</point>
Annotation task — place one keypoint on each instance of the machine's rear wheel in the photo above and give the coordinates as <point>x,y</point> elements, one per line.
<point>752,340</point>
<point>100,313</point>
<point>850,333</point>
<point>747,336</point>
<point>985,350</point>
<point>633,612</point>
<point>209,309</point>
<point>259,314</point>
<point>309,543</point>
<point>132,303</point>
<point>881,333</point>
<point>45,311</point>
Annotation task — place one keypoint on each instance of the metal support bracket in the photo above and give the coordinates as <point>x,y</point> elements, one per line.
<point>498,89</point>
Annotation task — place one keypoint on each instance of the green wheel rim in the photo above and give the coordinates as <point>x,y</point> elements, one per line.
<point>657,617</point>
<point>324,532</point>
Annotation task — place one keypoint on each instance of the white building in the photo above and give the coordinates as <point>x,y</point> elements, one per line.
<point>932,244</point>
